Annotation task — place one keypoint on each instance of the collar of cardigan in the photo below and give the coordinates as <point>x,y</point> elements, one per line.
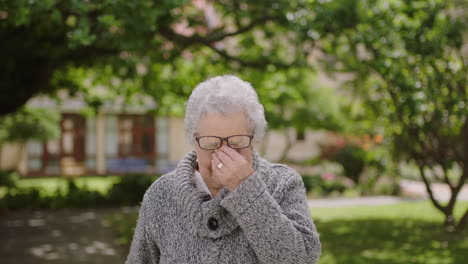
<point>198,207</point>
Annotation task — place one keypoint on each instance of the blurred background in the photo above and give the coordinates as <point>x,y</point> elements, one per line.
<point>366,99</point>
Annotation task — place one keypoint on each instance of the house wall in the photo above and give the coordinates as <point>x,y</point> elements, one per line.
<point>13,157</point>
<point>275,142</point>
<point>8,156</point>
<point>178,145</point>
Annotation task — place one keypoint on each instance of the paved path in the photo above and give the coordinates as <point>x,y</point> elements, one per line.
<point>440,190</point>
<point>58,236</point>
<point>357,201</point>
<point>412,191</point>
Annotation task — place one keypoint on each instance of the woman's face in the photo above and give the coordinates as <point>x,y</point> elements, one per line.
<point>214,124</point>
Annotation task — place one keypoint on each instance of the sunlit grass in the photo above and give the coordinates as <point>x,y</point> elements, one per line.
<point>422,210</point>
<point>123,225</point>
<point>408,232</point>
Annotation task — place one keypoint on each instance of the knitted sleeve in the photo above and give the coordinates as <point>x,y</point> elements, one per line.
<point>143,249</point>
<point>281,230</point>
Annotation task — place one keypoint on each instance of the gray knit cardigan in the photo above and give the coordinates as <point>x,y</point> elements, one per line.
<point>264,220</point>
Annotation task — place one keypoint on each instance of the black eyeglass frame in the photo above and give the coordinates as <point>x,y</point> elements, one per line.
<point>225,139</point>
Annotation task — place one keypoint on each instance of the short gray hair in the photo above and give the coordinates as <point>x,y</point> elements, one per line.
<point>225,95</point>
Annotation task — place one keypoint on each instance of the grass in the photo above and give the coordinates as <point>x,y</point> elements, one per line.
<point>416,210</point>
<point>407,232</point>
<point>49,186</point>
<point>123,225</point>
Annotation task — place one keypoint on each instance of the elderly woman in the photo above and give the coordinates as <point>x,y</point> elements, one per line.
<point>223,203</point>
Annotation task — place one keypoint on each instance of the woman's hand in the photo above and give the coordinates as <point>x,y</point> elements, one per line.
<point>234,170</point>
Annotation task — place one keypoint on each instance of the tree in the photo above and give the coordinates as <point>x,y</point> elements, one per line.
<point>294,99</point>
<point>43,42</point>
<point>410,70</point>
<point>29,124</point>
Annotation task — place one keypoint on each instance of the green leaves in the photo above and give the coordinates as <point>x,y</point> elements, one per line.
<point>29,124</point>
<point>406,50</point>
<point>81,35</point>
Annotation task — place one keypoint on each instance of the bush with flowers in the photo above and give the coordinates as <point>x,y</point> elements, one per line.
<point>326,184</point>
<point>363,160</point>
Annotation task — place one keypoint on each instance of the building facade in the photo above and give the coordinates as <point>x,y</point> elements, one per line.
<point>122,140</point>
<point>102,144</point>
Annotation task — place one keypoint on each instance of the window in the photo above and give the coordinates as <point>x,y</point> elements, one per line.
<point>133,144</point>
<point>35,151</point>
<point>91,144</point>
<point>53,156</point>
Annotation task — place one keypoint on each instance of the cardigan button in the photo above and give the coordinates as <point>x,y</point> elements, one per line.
<point>212,223</point>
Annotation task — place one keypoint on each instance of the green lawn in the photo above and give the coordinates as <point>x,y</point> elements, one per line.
<point>403,233</point>
<point>49,186</point>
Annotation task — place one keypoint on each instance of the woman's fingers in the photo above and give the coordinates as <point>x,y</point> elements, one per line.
<point>215,161</point>
<point>234,169</point>
<point>231,153</point>
<point>225,159</point>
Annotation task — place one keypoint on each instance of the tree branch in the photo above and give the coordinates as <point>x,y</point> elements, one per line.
<point>254,23</point>
<point>464,178</point>
<point>214,36</point>
<point>429,189</point>
<point>455,190</point>
<point>461,152</point>
<point>446,178</point>
<point>252,63</point>
<point>82,54</point>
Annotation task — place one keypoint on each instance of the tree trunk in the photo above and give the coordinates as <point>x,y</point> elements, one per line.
<point>450,224</point>
<point>1,152</point>
<point>289,145</point>
<point>447,210</point>
<point>463,222</point>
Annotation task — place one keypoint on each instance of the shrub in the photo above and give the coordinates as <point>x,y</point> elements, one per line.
<point>130,189</point>
<point>82,197</point>
<point>25,198</point>
<point>311,182</point>
<point>325,184</point>
<point>328,187</point>
<point>8,178</point>
<point>353,160</point>
<point>386,187</point>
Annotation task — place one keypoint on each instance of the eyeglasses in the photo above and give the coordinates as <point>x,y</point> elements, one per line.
<point>235,142</point>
